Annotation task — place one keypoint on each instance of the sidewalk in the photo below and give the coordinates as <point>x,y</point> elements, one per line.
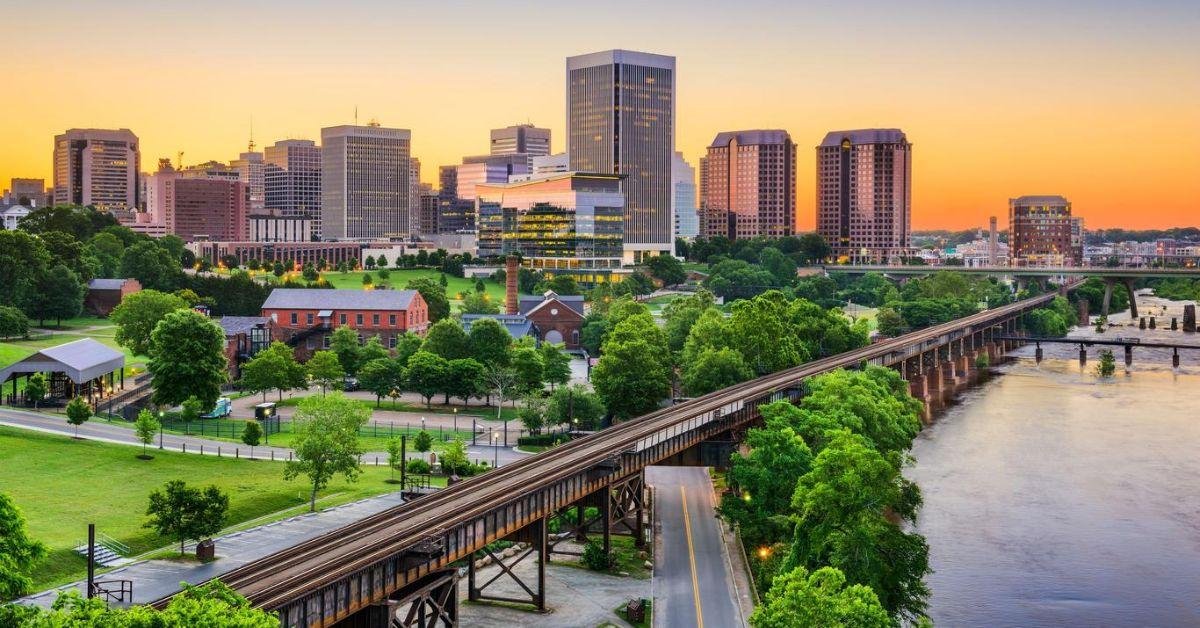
<point>152,579</point>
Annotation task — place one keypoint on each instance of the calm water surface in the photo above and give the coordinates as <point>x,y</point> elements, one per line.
<point>1055,499</point>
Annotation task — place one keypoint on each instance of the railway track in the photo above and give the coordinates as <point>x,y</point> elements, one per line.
<point>275,580</point>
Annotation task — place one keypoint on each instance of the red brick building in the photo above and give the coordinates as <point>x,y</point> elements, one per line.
<point>305,318</point>
<point>245,336</point>
<point>557,319</point>
<point>105,294</point>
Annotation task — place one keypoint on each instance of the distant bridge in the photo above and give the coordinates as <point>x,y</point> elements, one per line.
<point>1109,275</point>
<point>398,567</point>
<point>1127,343</point>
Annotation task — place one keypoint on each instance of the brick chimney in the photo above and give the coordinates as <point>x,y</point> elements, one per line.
<point>511,273</point>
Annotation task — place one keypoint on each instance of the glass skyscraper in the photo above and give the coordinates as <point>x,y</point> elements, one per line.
<point>292,181</point>
<point>621,120</point>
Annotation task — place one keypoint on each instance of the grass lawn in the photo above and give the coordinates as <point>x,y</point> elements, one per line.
<point>397,279</point>
<point>484,412</point>
<point>79,322</point>
<point>62,484</point>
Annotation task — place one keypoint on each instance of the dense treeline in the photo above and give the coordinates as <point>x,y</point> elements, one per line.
<point>1100,236</point>
<point>820,498</point>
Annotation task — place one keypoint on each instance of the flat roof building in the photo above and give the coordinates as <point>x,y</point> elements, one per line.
<point>750,185</point>
<point>1042,232</point>
<point>97,167</point>
<point>621,120</point>
<point>864,194</point>
<point>365,182</point>
<point>292,181</point>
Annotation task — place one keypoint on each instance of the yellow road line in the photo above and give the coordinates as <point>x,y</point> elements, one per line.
<point>687,528</point>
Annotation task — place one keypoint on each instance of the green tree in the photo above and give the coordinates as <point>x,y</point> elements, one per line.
<point>407,345</point>
<point>19,553</point>
<point>13,322</point>
<point>798,598</point>
<point>447,339</point>
<point>187,358</point>
<point>813,248</point>
<point>252,435</point>
<point>138,313</point>
<point>576,407</point>
<point>145,427</point>
<point>533,413</point>
<point>889,322</point>
<point>181,512</point>
<point>848,506</point>
<point>759,329</point>
<point>479,303</point>
<point>681,314</point>
<point>325,370</point>
<point>489,342</point>
<point>667,269</point>
<point>434,295</point>
<point>344,342</point>
<point>423,441</point>
<point>24,258</point>
<point>426,375</point>
<point>211,604</point>
<point>526,362</point>
<point>713,370</point>
<point>277,269</point>
<point>59,295</point>
<point>372,349</point>
<point>366,278</point>
<point>190,410</point>
<point>64,249</point>
<point>556,364</point>
<point>395,452</point>
<point>874,403</point>
<point>263,372</point>
<point>765,479</point>
<point>737,279</point>
<point>1045,322</point>
<point>781,267</point>
<point>36,389</point>
<point>152,266</point>
<point>454,457</point>
<point>633,374</point>
<point>1105,368</point>
<point>326,441</point>
<point>78,412</point>
<point>381,376</point>
<point>309,272</point>
<point>464,379</point>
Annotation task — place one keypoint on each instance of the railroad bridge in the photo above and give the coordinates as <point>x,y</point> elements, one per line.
<point>400,567</point>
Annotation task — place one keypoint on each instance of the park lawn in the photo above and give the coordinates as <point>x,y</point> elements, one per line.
<point>374,436</point>
<point>78,322</point>
<point>62,484</point>
<point>508,413</point>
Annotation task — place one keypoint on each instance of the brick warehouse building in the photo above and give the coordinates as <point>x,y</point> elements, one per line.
<point>305,318</point>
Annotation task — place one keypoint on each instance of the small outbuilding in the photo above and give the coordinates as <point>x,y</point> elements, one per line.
<point>104,295</point>
<point>83,368</point>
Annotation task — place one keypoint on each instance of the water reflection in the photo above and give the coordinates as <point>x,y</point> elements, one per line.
<point>1053,498</point>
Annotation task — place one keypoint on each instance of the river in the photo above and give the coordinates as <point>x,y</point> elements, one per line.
<point>1054,498</point>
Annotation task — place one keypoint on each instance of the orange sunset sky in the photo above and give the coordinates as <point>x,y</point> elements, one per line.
<point>1098,101</point>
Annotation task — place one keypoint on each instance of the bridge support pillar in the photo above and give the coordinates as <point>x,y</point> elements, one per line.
<point>429,602</point>
<point>1108,288</point>
<point>1133,311</point>
<point>963,367</point>
<point>534,536</point>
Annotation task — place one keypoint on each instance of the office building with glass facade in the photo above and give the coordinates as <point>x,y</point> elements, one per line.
<point>683,198</point>
<point>864,195</point>
<point>621,120</point>
<point>97,167</point>
<point>292,182</point>
<point>571,222</point>
<point>750,185</point>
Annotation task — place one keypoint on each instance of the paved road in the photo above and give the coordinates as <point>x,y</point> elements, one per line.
<point>693,583</point>
<point>111,433</point>
<point>153,579</point>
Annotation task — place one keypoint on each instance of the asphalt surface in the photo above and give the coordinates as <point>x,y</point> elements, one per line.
<point>693,583</point>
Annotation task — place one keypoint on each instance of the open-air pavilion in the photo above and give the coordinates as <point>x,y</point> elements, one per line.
<point>83,368</point>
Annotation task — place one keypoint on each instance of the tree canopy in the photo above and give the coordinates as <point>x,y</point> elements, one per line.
<point>187,358</point>
<point>326,441</point>
<point>138,313</point>
<point>18,552</point>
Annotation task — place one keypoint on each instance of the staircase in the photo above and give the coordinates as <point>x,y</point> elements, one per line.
<point>109,551</point>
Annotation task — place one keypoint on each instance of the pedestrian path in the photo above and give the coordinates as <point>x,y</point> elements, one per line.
<point>153,579</point>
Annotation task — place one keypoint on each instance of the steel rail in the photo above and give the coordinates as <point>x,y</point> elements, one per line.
<point>281,577</point>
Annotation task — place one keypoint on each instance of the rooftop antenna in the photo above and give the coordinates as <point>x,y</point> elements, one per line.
<point>355,115</point>
<point>250,148</point>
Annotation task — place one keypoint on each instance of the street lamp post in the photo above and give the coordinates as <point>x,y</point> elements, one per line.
<point>160,428</point>
<point>495,449</point>
<point>456,421</point>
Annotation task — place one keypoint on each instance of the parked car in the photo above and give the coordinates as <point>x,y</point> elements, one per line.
<point>349,384</point>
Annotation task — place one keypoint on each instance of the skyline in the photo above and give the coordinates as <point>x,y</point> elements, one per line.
<point>999,100</point>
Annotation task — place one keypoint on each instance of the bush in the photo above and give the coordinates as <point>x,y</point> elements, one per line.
<point>416,465</point>
<point>595,558</point>
<point>543,439</point>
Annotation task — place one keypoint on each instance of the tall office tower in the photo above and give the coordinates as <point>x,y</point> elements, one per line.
<point>97,167</point>
<point>621,120</point>
<point>429,210</point>
<point>1042,232</point>
<point>206,209</point>
<point>521,139</point>
<point>250,167</point>
<point>364,182</point>
<point>455,215</point>
<point>993,243</point>
<point>414,196</point>
<point>28,192</point>
<point>292,181</point>
<point>683,198</point>
<point>750,187</point>
<point>864,194</point>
